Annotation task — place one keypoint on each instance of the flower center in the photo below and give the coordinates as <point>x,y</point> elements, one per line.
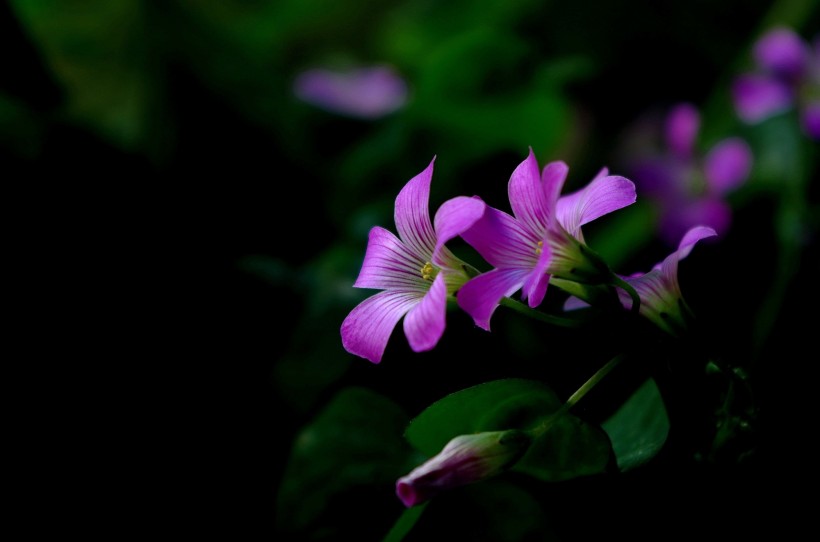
<point>428,272</point>
<point>539,248</point>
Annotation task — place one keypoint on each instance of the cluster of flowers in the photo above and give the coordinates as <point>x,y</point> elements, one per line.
<point>541,242</point>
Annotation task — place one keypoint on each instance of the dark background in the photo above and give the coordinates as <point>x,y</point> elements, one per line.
<point>215,225</point>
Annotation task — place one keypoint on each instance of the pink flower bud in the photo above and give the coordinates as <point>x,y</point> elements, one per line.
<point>464,460</point>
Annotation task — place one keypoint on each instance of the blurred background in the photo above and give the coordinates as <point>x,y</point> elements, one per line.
<point>232,197</point>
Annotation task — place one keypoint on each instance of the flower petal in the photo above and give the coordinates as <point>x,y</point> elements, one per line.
<point>526,196</point>
<point>681,129</point>
<point>651,286</point>
<point>368,327</point>
<point>389,265</point>
<point>424,324</point>
<point>603,195</point>
<point>480,296</point>
<point>535,287</point>
<point>669,266</point>
<point>552,182</point>
<point>412,213</point>
<point>758,97</point>
<point>728,164</point>
<point>573,303</point>
<point>454,217</point>
<point>783,52</point>
<point>502,240</point>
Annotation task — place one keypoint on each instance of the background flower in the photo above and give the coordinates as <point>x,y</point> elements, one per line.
<point>786,75</point>
<point>368,92</point>
<point>687,187</point>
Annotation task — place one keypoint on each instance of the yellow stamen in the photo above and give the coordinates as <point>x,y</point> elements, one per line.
<point>428,272</point>
<point>540,248</point>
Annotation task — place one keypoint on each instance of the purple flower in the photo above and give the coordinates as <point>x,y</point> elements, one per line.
<point>687,188</point>
<point>543,239</point>
<point>659,290</point>
<point>464,460</point>
<point>416,272</point>
<point>786,75</point>
<point>367,92</point>
<point>661,299</point>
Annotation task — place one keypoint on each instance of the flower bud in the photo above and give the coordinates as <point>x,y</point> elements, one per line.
<point>464,460</point>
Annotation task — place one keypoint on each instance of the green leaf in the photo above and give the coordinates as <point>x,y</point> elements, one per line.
<point>638,429</point>
<point>492,406</point>
<point>352,450</point>
<point>406,521</point>
<point>568,449</point>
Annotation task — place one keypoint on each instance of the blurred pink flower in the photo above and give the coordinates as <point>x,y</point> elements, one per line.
<point>688,188</point>
<point>364,92</point>
<point>786,75</point>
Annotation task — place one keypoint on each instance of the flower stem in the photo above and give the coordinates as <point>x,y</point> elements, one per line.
<point>593,380</point>
<point>624,285</point>
<point>579,393</point>
<point>538,315</point>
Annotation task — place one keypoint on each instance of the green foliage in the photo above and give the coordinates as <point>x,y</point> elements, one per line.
<point>95,49</point>
<point>638,429</point>
<point>353,443</point>
<point>569,448</point>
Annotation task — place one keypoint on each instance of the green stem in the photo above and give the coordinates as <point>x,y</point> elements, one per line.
<point>593,380</point>
<point>624,285</point>
<point>538,315</point>
<point>578,395</point>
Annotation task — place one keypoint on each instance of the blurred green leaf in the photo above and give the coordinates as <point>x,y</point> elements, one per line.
<point>492,104</point>
<point>315,358</point>
<point>568,449</point>
<point>619,236</point>
<point>354,443</point>
<point>97,50</point>
<point>20,130</point>
<point>638,429</point>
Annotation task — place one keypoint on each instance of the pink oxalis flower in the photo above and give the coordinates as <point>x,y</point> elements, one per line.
<point>786,75</point>
<point>542,239</point>
<point>466,459</point>
<point>659,290</point>
<point>415,272</point>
